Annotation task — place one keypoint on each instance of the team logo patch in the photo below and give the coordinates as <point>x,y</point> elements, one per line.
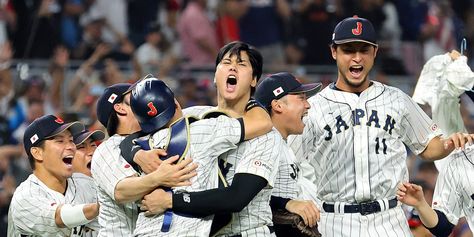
<point>434,127</point>
<point>278,91</point>
<point>112,98</point>
<point>358,29</point>
<point>34,138</point>
<point>59,120</point>
<point>153,111</point>
<point>126,166</point>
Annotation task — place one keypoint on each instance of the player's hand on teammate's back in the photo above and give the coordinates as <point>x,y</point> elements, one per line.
<point>156,202</point>
<point>458,140</point>
<point>149,160</point>
<point>169,174</point>
<point>306,209</point>
<point>410,194</point>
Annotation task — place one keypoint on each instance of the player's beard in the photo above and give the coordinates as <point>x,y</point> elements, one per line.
<point>355,85</point>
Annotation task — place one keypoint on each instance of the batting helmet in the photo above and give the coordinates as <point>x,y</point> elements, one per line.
<point>153,104</point>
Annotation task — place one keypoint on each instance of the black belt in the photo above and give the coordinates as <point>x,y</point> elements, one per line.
<point>270,227</point>
<point>364,208</point>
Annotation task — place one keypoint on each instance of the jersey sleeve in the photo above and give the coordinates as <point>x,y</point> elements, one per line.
<point>261,157</point>
<point>34,215</point>
<point>447,197</point>
<point>417,128</point>
<point>109,168</point>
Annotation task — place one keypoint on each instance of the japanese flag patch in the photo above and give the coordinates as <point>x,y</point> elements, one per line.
<point>34,138</point>
<point>278,91</point>
<point>112,98</point>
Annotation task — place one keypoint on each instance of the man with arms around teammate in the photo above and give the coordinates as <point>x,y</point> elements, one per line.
<point>206,140</point>
<point>355,141</point>
<point>118,184</point>
<point>250,169</point>
<point>49,203</point>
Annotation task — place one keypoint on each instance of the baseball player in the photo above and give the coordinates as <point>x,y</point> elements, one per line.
<point>207,139</point>
<point>286,100</point>
<point>355,137</point>
<point>454,192</point>
<point>117,183</point>
<point>49,202</point>
<point>453,197</point>
<point>81,164</point>
<point>250,169</point>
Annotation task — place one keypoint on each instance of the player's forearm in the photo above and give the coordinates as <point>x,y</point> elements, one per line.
<point>427,215</point>
<point>436,150</point>
<point>91,211</point>
<point>134,188</point>
<point>68,215</point>
<point>443,227</point>
<point>257,122</point>
<point>223,200</point>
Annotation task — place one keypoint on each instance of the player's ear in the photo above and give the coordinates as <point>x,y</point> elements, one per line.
<point>375,51</point>
<point>119,109</point>
<point>276,106</point>
<point>333,51</point>
<point>37,153</point>
<point>254,82</point>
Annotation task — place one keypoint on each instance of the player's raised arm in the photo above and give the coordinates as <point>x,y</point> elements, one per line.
<point>256,120</point>
<point>439,148</point>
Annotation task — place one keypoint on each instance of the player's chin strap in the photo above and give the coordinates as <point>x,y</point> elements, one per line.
<point>220,220</point>
<point>178,144</point>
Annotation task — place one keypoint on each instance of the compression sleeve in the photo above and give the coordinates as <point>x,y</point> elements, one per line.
<point>221,200</point>
<point>443,228</point>
<point>278,202</point>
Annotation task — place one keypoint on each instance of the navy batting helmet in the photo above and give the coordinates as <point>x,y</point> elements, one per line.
<point>153,104</point>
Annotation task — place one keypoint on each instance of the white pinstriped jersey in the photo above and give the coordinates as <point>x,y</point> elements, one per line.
<point>258,156</point>
<point>356,144</point>
<point>208,139</point>
<point>108,168</point>
<point>33,207</point>
<point>286,182</point>
<point>91,229</point>
<point>454,191</point>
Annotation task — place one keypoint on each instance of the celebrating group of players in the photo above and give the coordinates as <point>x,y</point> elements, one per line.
<point>336,158</point>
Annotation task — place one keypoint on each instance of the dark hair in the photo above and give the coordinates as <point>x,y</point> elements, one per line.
<point>112,124</point>
<point>235,48</point>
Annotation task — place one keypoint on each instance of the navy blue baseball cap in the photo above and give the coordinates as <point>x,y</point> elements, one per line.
<point>83,135</point>
<point>46,127</point>
<point>280,84</point>
<point>111,96</point>
<point>354,29</point>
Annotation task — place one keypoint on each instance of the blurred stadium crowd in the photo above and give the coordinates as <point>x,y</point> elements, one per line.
<point>57,56</point>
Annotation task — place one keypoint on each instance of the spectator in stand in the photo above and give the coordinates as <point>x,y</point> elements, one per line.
<point>262,26</point>
<point>317,24</point>
<point>149,55</point>
<point>94,23</point>
<point>198,34</point>
<point>411,16</point>
<point>229,13</point>
<point>37,29</point>
<point>70,27</point>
